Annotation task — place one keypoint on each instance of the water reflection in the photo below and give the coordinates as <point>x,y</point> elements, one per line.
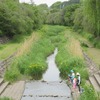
<point>52,73</point>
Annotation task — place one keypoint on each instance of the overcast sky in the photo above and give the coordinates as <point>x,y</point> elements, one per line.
<point>37,2</point>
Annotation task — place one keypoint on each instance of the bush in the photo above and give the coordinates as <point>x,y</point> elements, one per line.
<point>35,71</point>
<point>96,42</point>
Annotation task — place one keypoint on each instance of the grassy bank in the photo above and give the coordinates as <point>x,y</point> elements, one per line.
<point>70,57</point>
<point>33,63</point>
<point>12,46</point>
<point>5,98</point>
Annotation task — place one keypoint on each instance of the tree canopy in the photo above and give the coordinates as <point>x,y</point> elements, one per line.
<point>16,18</point>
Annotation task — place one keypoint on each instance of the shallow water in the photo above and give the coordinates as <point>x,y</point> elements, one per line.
<point>52,73</point>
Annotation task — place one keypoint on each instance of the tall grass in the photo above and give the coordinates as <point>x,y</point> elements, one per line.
<point>5,98</point>
<point>89,94</point>
<point>70,57</point>
<point>27,44</point>
<point>12,46</point>
<point>33,62</point>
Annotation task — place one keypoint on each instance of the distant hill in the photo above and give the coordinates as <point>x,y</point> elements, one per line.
<point>61,5</point>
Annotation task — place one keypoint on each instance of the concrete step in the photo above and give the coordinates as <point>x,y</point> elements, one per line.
<point>1,81</point>
<point>3,86</point>
<point>97,77</point>
<point>94,83</point>
<point>14,91</point>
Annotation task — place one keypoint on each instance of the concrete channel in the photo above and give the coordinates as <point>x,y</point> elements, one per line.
<point>51,87</point>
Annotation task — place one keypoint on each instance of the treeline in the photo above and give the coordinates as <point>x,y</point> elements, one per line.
<point>21,18</point>
<point>61,12</point>
<point>87,17</point>
<point>17,18</point>
<point>82,15</point>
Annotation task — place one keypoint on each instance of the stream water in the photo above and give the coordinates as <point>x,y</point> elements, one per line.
<point>52,73</point>
<point>50,87</point>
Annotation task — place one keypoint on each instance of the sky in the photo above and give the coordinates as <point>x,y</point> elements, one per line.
<point>37,2</point>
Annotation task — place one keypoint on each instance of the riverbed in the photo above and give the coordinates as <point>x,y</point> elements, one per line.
<point>50,87</point>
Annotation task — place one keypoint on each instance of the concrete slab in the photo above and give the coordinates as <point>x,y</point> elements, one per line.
<point>14,91</point>
<point>37,90</point>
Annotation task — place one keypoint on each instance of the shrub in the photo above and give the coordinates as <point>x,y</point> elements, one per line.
<point>35,70</point>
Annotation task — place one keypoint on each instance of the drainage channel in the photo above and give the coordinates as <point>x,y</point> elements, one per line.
<point>51,87</point>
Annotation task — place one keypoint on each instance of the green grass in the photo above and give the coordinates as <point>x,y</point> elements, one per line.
<point>8,49</point>
<point>94,54</point>
<point>5,98</point>
<point>85,43</point>
<point>12,46</point>
<point>34,63</point>
<point>89,93</point>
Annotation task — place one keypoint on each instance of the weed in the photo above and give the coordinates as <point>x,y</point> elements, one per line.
<point>5,98</point>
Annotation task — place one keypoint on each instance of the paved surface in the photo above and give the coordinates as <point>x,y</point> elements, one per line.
<point>38,90</point>
<point>14,91</point>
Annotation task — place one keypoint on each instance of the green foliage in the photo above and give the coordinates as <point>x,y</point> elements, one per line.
<point>92,7</point>
<point>55,18</point>
<point>43,11</point>
<point>87,36</point>
<point>96,42</point>
<point>56,5</point>
<point>35,70</point>
<point>66,62</point>
<point>89,93</point>
<point>16,18</point>
<point>68,14</point>
<point>5,98</point>
<point>61,13</point>
<point>12,74</point>
<point>34,62</point>
<point>78,19</point>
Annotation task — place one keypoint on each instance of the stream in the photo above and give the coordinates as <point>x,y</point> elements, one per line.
<point>51,87</point>
<point>52,73</point>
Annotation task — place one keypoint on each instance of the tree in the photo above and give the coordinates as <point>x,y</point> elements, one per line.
<point>78,18</point>
<point>92,7</point>
<point>44,11</point>
<point>68,14</point>
<point>16,18</point>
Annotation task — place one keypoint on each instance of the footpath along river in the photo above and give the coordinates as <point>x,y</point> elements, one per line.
<point>51,87</point>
